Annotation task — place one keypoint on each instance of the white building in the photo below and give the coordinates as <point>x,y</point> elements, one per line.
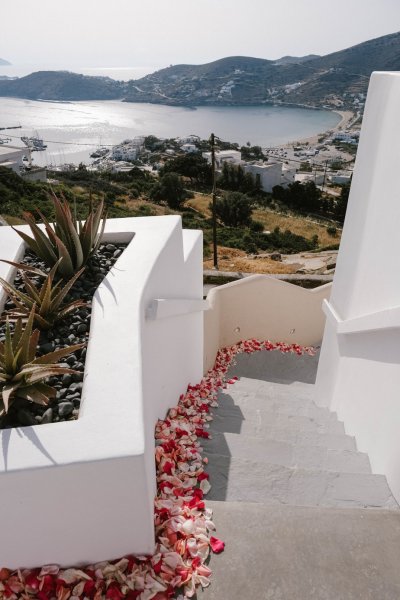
<point>128,150</point>
<point>124,152</point>
<point>12,157</point>
<point>288,175</point>
<point>222,156</point>
<point>347,137</point>
<point>270,173</point>
<point>340,177</point>
<point>121,167</point>
<point>189,148</point>
<point>317,178</point>
<point>190,139</point>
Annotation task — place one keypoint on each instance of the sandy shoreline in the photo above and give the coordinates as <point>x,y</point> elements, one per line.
<point>346,117</point>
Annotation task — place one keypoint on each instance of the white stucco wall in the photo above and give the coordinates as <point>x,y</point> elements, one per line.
<point>83,491</point>
<point>270,174</point>
<point>359,368</point>
<point>265,308</point>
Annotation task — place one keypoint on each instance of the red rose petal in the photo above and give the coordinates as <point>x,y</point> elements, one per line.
<point>217,545</point>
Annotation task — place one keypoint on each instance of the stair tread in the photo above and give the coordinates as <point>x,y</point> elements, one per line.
<point>241,479</point>
<point>294,389</point>
<point>292,553</point>
<point>287,454</point>
<point>256,422</point>
<point>252,402</point>
<point>301,438</point>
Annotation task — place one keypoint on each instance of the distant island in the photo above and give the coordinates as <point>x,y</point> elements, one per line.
<point>335,81</point>
<point>4,63</point>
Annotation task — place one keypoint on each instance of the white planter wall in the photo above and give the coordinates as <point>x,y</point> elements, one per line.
<point>359,368</point>
<point>83,491</point>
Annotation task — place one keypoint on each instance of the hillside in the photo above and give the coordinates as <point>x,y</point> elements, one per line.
<point>290,60</point>
<point>62,85</point>
<point>310,80</point>
<point>236,80</point>
<point>3,62</point>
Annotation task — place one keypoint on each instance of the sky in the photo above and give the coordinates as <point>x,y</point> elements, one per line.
<point>126,33</point>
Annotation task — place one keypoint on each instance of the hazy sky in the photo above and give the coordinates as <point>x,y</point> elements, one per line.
<point>111,33</point>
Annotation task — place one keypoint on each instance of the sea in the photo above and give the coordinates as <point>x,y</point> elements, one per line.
<point>73,130</point>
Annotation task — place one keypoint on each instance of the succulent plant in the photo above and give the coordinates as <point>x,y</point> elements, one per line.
<point>68,238</point>
<point>22,374</point>
<point>47,300</point>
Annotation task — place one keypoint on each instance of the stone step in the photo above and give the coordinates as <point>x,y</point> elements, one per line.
<point>243,480</point>
<point>261,422</point>
<point>286,454</point>
<point>288,406</point>
<point>294,389</point>
<point>301,438</point>
<point>276,367</point>
<point>300,553</point>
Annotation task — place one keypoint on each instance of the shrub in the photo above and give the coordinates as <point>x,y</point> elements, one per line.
<point>46,302</point>
<point>68,239</point>
<point>256,226</point>
<point>331,231</point>
<point>22,374</point>
<point>233,209</point>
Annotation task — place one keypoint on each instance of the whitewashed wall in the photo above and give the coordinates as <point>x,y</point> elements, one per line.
<point>83,491</point>
<point>265,308</point>
<point>359,368</point>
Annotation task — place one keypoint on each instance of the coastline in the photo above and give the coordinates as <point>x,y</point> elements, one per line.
<point>346,117</point>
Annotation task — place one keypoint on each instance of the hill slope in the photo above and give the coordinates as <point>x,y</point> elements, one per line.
<point>312,80</point>
<point>4,62</point>
<point>62,85</point>
<point>236,80</point>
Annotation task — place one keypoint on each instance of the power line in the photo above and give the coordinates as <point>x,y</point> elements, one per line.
<point>17,137</point>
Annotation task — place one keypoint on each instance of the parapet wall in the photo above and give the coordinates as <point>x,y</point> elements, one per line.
<point>83,491</point>
<point>265,308</point>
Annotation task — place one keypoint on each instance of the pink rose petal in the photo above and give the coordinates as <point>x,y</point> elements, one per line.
<point>217,545</point>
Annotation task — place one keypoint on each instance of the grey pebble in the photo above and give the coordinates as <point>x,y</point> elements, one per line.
<point>65,409</point>
<point>47,416</point>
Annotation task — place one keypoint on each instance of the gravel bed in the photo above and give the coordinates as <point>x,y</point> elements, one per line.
<point>74,329</point>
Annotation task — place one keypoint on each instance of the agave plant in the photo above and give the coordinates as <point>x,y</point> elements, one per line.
<point>48,300</point>
<point>68,238</point>
<point>22,374</point>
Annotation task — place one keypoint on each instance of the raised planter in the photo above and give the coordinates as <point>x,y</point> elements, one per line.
<point>83,491</point>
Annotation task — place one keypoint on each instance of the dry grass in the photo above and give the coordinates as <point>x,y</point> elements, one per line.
<point>271,219</point>
<point>231,259</point>
<point>298,225</point>
<point>200,203</point>
<point>135,204</point>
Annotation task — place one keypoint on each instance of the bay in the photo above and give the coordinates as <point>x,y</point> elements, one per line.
<point>72,130</point>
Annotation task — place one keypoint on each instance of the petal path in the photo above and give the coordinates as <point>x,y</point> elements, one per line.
<point>183,524</point>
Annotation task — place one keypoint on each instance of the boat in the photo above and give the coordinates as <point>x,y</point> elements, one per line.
<point>34,143</point>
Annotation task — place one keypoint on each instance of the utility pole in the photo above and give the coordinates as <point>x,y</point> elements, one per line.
<point>323,183</point>
<point>214,196</point>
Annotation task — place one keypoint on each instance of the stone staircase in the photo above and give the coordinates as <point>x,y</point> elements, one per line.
<point>288,483</point>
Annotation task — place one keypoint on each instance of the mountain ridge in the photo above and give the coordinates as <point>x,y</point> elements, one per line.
<point>329,81</point>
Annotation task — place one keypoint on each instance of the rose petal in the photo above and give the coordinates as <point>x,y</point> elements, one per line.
<point>217,545</point>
